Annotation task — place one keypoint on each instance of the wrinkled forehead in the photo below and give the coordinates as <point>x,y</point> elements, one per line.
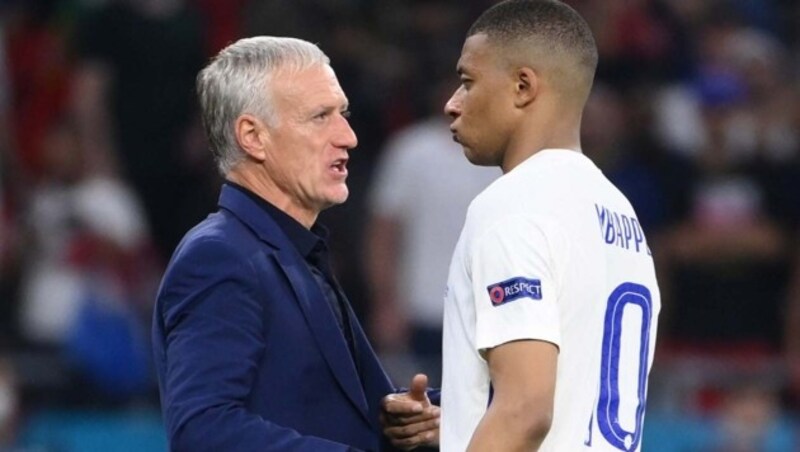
<point>311,85</point>
<point>288,77</point>
<point>328,83</point>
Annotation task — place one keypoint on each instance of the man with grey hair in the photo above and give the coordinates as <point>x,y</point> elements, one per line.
<point>256,346</point>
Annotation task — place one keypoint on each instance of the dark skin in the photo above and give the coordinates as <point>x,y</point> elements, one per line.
<point>410,419</point>
<point>512,103</point>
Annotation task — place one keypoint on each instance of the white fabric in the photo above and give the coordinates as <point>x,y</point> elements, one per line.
<point>112,211</point>
<point>424,182</point>
<point>54,287</point>
<point>557,220</point>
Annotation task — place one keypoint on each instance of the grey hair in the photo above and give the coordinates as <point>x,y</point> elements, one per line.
<point>237,81</point>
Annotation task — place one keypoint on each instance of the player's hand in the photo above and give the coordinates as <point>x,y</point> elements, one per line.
<point>410,419</point>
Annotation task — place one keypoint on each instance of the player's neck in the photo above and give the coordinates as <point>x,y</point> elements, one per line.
<point>536,134</point>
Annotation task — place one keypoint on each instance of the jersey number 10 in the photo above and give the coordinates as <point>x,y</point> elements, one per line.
<point>608,406</point>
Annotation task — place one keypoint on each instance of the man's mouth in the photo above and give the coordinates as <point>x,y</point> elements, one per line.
<point>340,166</point>
<point>455,136</point>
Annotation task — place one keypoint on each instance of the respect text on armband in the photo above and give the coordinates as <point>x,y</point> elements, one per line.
<point>514,289</point>
<point>624,231</point>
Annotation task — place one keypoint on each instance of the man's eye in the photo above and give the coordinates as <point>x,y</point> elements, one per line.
<point>346,114</point>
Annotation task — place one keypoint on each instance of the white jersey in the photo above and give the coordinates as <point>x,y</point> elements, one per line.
<point>552,251</point>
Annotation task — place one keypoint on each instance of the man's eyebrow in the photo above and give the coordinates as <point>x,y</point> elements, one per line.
<point>329,108</point>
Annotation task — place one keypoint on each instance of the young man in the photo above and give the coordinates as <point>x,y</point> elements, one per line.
<point>552,301</point>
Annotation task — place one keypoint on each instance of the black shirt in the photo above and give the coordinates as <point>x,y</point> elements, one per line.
<point>312,245</point>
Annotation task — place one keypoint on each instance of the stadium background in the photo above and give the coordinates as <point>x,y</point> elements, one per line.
<point>695,116</point>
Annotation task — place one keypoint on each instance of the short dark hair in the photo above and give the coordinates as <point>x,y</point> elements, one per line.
<point>552,22</point>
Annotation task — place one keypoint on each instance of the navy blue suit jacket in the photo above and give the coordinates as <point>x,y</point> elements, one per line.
<point>249,354</point>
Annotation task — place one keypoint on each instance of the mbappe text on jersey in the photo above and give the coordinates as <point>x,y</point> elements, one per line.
<point>621,230</point>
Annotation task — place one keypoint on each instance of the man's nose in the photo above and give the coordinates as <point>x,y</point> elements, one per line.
<point>346,137</point>
<point>453,106</point>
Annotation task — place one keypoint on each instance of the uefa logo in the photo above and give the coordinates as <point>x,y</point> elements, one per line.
<point>497,294</point>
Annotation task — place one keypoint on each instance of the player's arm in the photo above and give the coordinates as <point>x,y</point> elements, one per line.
<point>523,375</point>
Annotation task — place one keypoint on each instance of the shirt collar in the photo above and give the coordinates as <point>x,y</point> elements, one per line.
<point>304,240</point>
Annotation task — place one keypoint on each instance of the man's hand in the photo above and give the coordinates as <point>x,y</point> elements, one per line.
<point>409,419</point>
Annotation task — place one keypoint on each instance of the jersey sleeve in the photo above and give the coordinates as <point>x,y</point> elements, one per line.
<point>514,282</point>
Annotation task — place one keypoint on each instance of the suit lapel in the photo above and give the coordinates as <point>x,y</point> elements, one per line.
<point>320,319</point>
<point>325,330</point>
<point>376,383</point>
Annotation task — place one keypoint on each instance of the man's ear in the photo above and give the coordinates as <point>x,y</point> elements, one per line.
<point>253,136</point>
<point>526,86</point>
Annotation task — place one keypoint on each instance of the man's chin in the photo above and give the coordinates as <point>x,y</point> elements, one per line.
<point>467,152</point>
<point>337,198</point>
<point>475,158</point>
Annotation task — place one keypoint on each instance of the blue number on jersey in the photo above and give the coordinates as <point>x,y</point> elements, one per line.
<point>608,405</point>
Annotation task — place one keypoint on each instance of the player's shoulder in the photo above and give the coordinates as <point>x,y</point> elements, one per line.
<point>506,205</point>
<point>533,185</point>
<point>493,200</point>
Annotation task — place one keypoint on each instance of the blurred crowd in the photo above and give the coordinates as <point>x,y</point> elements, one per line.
<point>695,115</point>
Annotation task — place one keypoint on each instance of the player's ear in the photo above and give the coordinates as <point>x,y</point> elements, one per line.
<point>526,87</point>
<point>252,135</point>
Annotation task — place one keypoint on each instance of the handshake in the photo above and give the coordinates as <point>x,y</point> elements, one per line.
<point>409,418</point>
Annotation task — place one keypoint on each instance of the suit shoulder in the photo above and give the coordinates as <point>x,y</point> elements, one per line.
<point>210,256</point>
<point>220,232</point>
